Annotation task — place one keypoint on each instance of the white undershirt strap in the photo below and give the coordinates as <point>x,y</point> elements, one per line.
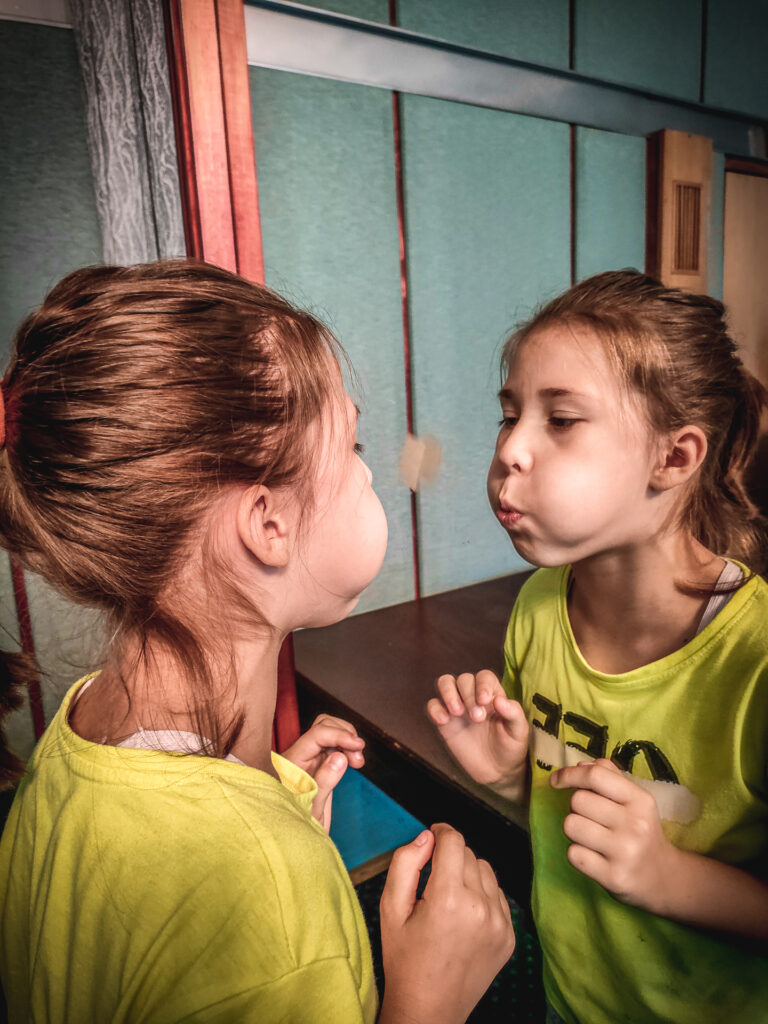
<point>174,741</point>
<point>731,574</point>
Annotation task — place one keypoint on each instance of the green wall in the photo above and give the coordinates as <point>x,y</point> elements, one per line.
<point>609,201</point>
<point>735,59</point>
<point>536,32</point>
<point>48,222</point>
<point>653,44</point>
<point>487,223</point>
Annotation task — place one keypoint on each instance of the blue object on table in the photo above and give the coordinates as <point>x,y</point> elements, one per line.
<point>366,822</point>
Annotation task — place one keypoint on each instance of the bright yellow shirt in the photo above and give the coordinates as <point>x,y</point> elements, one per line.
<point>692,728</point>
<point>146,886</point>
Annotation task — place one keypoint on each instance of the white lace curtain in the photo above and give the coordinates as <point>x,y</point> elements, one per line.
<point>123,58</point>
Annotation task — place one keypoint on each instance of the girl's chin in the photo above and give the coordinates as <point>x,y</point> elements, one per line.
<point>540,559</point>
<point>331,616</point>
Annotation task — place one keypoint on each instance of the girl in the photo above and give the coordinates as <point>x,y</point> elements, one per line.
<point>634,704</point>
<point>179,452</point>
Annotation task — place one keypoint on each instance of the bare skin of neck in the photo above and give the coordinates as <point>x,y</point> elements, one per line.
<point>626,607</point>
<point>106,714</point>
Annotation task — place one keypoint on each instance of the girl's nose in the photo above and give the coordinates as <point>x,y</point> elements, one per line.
<point>514,451</point>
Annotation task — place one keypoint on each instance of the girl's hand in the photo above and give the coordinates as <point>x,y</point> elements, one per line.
<point>324,751</point>
<point>615,832</point>
<point>442,951</point>
<point>485,731</point>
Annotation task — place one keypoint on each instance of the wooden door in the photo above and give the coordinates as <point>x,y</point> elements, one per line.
<point>745,290</point>
<point>745,267</point>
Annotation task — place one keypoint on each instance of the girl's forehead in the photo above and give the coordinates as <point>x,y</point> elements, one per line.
<point>345,410</point>
<point>570,363</point>
<point>337,423</point>
<point>564,357</point>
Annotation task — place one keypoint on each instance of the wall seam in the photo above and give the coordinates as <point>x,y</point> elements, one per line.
<point>407,362</point>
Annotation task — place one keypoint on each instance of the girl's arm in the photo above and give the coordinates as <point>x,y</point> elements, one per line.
<point>709,894</point>
<point>617,839</point>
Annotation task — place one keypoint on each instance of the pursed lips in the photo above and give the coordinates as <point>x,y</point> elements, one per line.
<point>507,514</point>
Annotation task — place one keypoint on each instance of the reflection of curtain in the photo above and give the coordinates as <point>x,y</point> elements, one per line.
<point>121,46</point>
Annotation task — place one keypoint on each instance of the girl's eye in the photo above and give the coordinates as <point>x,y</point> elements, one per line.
<point>508,421</point>
<point>562,422</point>
<point>358,448</point>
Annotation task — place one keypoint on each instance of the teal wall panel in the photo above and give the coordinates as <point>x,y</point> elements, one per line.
<point>487,225</point>
<point>536,32</point>
<point>655,44</point>
<point>716,228</point>
<point>48,221</point>
<point>735,65</point>
<point>325,159</point>
<point>610,201</point>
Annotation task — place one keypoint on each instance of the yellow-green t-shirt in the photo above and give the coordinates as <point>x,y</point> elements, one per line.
<point>693,729</point>
<point>146,886</point>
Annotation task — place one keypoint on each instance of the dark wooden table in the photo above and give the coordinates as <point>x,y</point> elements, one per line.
<point>378,670</point>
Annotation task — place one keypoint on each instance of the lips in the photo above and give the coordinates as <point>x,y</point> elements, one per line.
<point>508,515</point>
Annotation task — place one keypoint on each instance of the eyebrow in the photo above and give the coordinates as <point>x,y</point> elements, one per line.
<point>547,393</point>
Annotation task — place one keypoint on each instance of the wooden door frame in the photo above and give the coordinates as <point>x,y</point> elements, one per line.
<point>739,165</point>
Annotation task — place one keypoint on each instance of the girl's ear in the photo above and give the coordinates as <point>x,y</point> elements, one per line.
<point>679,457</point>
<point>265,526</point>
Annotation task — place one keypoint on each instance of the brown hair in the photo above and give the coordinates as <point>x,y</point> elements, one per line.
<point>673,348</point>
<point>133,396</point>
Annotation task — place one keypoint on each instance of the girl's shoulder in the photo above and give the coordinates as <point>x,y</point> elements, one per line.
<point>543,588</point>
<point>536,608</point>
<point>750,595</point>
<point>758,583</point>
<point>750,607</point>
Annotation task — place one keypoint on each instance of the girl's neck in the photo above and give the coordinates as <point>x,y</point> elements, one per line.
<point>633,606</point>
<point>125,700</point>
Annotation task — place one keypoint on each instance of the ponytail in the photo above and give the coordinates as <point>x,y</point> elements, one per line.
<point>745,428</point>
<point>720,512</point>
